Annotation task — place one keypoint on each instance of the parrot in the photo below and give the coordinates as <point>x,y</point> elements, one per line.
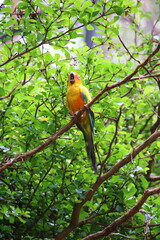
<point>77,96</point>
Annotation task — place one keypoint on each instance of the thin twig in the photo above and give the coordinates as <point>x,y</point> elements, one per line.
<point>116,223</point>
<point>53,137</point>
<point>74,222</point>
<point>9,94</point>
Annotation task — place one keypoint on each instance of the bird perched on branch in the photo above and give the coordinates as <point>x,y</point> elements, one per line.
<point>77,97</point>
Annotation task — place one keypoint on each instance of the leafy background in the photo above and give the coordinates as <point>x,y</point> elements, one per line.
<point>49,194</point>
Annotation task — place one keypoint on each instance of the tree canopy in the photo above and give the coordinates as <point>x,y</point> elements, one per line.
<point>48,188</point>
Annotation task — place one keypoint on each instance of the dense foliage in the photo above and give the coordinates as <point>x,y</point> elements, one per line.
<point>52,192</point>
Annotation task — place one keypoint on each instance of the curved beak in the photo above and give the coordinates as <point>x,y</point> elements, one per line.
<point>72,77</point>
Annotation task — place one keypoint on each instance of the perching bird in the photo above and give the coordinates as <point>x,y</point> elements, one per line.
<point>77,97</point>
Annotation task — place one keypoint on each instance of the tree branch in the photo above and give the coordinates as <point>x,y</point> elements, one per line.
<point>45,40</point>
<point>131,56</point>
<point>153,128</point>
<point>126,79</point>
<point>53,137</point>
<point>146,76</point>
<point>9,94</point>
<point>22,157</point>
<point>76,211</point>
<point>115,224</point>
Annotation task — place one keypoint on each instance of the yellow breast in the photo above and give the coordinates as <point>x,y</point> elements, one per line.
<point>74,99</point>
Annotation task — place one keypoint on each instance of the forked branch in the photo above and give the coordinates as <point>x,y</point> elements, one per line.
<point>53,137</point>
<point>115,224</point>
<point>76,211</point>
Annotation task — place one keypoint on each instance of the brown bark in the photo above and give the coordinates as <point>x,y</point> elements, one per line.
<point>77,208</point>
<point>115,224</point>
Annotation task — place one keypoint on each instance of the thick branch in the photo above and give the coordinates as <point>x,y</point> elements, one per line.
<point>115,224</point>
<point>53,137</point>
<point>76,211</point>
<point>126,79</point>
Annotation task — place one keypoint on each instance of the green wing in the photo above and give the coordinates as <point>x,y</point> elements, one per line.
<point>86,97</point>
<point>87,127</point>
<point>91,118</point>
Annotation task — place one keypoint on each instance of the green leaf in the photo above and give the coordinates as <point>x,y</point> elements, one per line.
<point>115,30</point>
<point>148,89</point>
<point>86,4</point>
<point>118,10</point>
<point>90,27</point>
<point>2,92</point>
<point>8,2</point>
<point>11,219</point>
<point>21,219</point>
<point>35,68</point>
<point>157,201</point>
<point>7,10</point>
<point>144,182</point>
<point>130,191</point>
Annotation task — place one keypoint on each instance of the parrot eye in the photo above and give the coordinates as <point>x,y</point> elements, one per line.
<point>72,78</point>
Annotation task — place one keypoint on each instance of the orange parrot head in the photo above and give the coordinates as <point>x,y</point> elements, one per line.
<point>74,78</point>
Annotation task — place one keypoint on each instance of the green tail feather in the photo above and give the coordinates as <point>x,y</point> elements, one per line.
<point>90,150</point>
<point>87,127</point>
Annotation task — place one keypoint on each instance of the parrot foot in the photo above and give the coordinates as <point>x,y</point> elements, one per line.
<point>77,113</point>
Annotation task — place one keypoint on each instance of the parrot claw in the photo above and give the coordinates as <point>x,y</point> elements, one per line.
<point>77,113</point>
